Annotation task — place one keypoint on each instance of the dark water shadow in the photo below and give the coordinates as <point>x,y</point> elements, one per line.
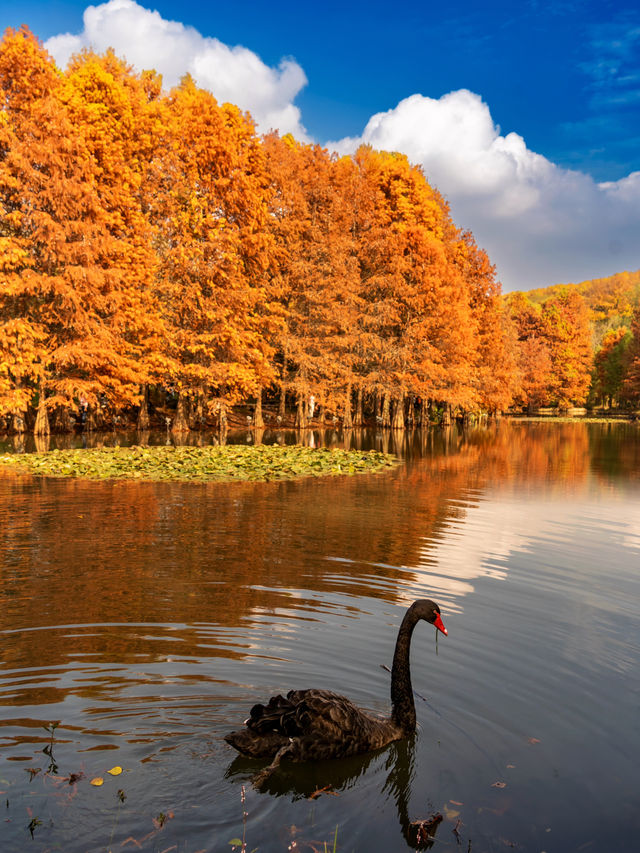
<point>308,780</point>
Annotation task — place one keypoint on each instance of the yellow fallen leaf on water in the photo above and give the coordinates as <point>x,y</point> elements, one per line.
<point>97,781</point>
<point>115,771</point>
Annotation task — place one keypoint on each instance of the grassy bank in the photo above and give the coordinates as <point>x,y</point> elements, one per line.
<point>231,462</point>
<point>565,419</point>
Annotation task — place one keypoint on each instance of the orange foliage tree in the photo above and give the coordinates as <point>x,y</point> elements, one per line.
<point>416,308</point>
<point>631,383</point>
<point>553,350</point>
<point>316,274</point>
<point>533,353</point>
<point>154,239</point>
<point>610,365</point>
<point>567,330</point>
<point>63,278</point>
<point>495,374</point>
<point>215,252</point>
<point>122,120</point>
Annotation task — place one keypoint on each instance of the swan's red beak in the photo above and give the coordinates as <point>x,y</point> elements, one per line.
<point>440,624</point>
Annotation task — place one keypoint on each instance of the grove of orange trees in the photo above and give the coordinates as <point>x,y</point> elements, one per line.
<point>580,342</point>
<point>152,244</point>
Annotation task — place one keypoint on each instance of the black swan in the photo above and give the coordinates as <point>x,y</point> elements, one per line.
<point>317,724</point>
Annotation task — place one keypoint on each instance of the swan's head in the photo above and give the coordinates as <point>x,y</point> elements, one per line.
<point>430,612</point>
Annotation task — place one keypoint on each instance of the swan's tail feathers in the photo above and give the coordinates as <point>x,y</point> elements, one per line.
<point>256,745</point>
<point>278,715</point>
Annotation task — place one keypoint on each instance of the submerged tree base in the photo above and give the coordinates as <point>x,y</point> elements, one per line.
<point>229,462</point>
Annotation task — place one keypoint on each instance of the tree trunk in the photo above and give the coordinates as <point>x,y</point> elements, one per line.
<point>411,410</point>
<point>282,407</point>
<point>301,413</point>
<point>357,420</point>
<point>386,414</point>
<point>398,413</point>
<point>348,420</point>
<point>17,422</point>
<point>41,426</point>
<point>180,423</point>
<point>61,420</point>
<point>198,416</point>
<point>258,420</point>
<point>143,411</point>
<point>90,423</point>
<point>446,415</point>
<point>222,421</point>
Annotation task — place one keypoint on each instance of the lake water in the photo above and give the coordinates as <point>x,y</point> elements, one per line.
<point>146,619</point>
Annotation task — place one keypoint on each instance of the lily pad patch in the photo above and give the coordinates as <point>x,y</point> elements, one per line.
<point>199,464</point>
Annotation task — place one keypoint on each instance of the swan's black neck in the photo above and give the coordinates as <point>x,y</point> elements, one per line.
<point>403,709</point>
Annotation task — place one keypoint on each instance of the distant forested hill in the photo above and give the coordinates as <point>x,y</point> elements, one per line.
<point>553,326</point>
<point>611,301</point>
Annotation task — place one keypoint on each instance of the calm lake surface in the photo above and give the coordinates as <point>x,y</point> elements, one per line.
<point>147,618</point>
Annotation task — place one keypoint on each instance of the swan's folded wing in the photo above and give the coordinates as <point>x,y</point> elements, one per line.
<point>334,720</point>
<point>312,724</point>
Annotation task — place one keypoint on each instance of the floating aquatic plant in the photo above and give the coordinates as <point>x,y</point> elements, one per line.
<point>229,462</point>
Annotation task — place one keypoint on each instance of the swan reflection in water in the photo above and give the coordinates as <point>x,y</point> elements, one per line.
<point>306,780</point>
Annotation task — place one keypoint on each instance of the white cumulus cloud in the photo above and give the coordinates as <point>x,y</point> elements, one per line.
<point>233,74</point>
<point>540,223</point>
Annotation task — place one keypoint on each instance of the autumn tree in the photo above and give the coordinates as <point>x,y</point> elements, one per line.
<point>123,124</point>
<point>533,354</point>
<point>214,253</point>
<point>64,264</point>
<point>610,365</point>
<point>631,383</point>
<point>69,200</point>
<point>26,76</point>
<point>495,370</point>
<point>317,274</point>
<point>417,309</point>
<point>566,325</point>
<point>149,238</point>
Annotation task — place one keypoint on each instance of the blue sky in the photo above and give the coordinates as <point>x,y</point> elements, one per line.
<point>526,116</point>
